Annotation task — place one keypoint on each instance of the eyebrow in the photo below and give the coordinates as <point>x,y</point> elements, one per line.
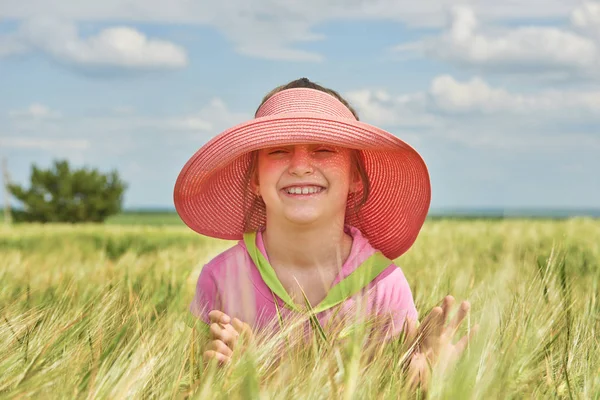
<point>291,146</point>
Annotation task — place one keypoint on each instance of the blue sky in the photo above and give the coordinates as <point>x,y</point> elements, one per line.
<point>501,100</point>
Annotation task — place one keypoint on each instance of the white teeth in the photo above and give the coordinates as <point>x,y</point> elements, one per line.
<point>303,190</point>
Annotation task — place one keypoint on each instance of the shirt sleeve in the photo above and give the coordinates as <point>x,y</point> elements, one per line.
<point>395,300</point>
<point>206,296</point>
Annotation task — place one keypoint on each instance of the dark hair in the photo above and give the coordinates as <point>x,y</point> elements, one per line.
<point>305,83</point>
<point>357,157</point>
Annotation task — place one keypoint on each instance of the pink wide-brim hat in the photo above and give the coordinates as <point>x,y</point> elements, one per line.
<point>211,193</point>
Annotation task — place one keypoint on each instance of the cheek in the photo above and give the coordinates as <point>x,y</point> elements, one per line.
<point>338,169</point>
<point>268,172</point>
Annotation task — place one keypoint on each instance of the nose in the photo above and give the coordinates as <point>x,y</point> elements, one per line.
<point>300,162</point>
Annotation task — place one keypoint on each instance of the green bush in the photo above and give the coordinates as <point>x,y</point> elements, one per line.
<point>60,194</point>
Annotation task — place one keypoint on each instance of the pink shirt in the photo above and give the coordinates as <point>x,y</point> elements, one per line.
<point>231,282</point>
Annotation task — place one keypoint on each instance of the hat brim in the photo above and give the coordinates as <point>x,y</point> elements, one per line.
<point>212,197</point>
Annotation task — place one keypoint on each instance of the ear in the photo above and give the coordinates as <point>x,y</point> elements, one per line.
<point>254,186</point>
<point>355,182</point>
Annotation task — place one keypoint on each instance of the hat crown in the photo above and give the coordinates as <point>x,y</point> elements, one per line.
<point>303,100</point>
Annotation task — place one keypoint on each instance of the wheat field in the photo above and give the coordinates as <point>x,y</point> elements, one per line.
<point>100,312</point>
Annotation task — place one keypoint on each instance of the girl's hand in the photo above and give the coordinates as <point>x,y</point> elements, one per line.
<point>224,335</point>
<point>434,341</point>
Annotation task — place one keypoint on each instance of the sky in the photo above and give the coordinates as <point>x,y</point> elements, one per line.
<point>501,99</point>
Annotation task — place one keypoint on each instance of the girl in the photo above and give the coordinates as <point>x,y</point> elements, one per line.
<point>320,204</point>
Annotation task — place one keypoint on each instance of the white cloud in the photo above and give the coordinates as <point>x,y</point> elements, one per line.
<point>123,123</point>
<point>44,144</point>
<point>476,95</point>
<point>192,123</point>
<point>123,110</point>
<point>35,111</point>
<point>10,45</point>
<point>269,36</point>
<point>382,108</point>
<point>555,52</point>
<point>424,13</point>
<point>509,137</point>
<point>471,112</point>
<point>270,28</point>
<point>118,46</point>
<point>473,97</point>
<point>477,114</point>
<point>213,118</point>
<point>148,149</point>
<point>586,18</point>
<point>99,134</point>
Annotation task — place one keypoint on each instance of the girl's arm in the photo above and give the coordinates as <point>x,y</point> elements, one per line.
<point>223,330</point>
<point>206,297</point>
<point>394,300</point>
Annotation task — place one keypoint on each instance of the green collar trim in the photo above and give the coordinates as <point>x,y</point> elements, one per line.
<point>346,288</point>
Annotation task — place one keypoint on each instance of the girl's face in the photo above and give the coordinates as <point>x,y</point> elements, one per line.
<point>305,183</point>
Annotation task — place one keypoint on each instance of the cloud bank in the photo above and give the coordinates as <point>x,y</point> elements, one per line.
<point>551,52</point>
<point>116,47</point>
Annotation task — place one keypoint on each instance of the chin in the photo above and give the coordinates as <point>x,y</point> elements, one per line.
<point>302,219</point>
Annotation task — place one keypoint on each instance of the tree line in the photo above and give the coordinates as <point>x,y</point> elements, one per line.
<point>63,194</point>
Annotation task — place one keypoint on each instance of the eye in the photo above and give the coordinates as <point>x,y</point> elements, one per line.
<point>278,151</point>
<point>325,150</point>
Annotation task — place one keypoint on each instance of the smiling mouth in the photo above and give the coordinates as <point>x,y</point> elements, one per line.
<point>303,191</point>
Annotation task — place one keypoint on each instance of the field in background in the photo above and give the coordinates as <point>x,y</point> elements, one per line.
<point>145,218</point>
<point>169,217</point>
<point>98,312</point>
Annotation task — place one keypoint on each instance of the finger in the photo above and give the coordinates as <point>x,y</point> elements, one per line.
<point>432,325</point>
<point>232,332</point>
<point>447,304</point>
<point>210,355</point>
<point>430,318</point>
<point>410,330</point>
<point>463,310</point>
<point>418,372</point>
<point>217,316</point>
<point>241,327</point>
<point>220,347</point>
<point>230,328</point>
<point>237,325</point>
<point>429,331</point>
<point>217,332</point>
<point>247,329</point>
<point>464,341</point>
